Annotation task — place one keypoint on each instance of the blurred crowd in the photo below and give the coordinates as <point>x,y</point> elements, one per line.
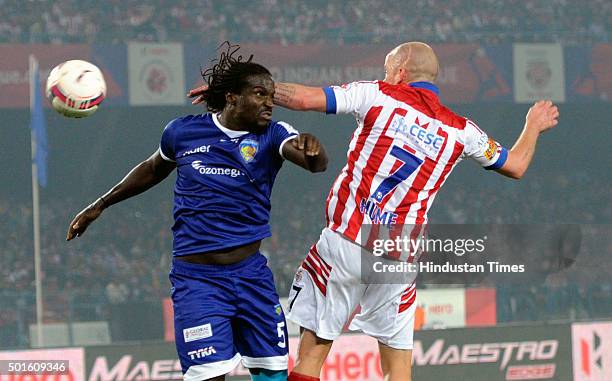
<point>125,256</point>
<point>296,22</point>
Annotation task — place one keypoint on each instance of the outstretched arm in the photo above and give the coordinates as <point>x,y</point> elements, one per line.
<point>299,97</point>
<point>288,95</point>
<point>306,151</point>
<point>142,177</point>
<point>542,116</point>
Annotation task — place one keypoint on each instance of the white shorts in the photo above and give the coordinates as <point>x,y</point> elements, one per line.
<point>327,289</point>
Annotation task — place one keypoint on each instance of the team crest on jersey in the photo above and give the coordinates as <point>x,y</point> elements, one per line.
<point>491,149</point>
<point>248,149</point>
<point>278,309</point>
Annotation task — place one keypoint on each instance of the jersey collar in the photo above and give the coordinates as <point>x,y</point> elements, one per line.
<point>425,85</point>
<point>231,133</point>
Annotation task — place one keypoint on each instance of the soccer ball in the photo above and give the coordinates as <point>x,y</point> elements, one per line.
<point>76,88</point>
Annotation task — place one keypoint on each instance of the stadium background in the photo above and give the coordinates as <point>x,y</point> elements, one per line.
<point>109,286</point>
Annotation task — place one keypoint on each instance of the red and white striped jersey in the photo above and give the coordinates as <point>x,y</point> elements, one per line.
<point>405,146</point>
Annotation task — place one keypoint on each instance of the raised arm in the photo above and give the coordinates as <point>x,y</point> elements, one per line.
<point>299,97</point>
<point>542,116</point>
<point>288,95</point>
<point>145,175</point>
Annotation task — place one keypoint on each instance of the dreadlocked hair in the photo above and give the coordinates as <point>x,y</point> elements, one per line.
<point>228,75</point>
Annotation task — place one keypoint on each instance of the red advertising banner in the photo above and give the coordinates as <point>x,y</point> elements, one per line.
<point>480,307</point>
<point>14,85</point>
<point>75,358</point>
<point>468,72</point>
<point>593,80</point>
<point>14,90</point>
<point>168,311</point>
<point>352,357</point>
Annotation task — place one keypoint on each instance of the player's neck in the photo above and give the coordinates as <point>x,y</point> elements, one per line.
<point>229,121</point>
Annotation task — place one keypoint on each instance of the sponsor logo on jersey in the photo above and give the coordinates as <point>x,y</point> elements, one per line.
<point>248,149</point>
<point>197,333</point>
<point>417,137</point>
<point>491,150</point>
<point>200,149</point>
<point>201,353</point>
<point>205,170</point>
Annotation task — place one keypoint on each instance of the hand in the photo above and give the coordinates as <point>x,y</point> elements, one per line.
<point>308,143</point>
<point>199,93</point>
<point>82,220</point>
<point>543,116</point>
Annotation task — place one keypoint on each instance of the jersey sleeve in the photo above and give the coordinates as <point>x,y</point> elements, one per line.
<point>356,98</point>
<point>282,133</point>
<point>483,149</point>
<point>166,145</point>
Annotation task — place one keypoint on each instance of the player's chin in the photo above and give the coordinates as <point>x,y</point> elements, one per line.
<point>261,125</point>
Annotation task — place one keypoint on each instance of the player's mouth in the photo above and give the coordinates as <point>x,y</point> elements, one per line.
<point>267,115</point>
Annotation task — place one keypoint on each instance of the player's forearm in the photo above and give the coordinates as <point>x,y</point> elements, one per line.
<point>521,154</point>
<point>141,178</point>
<point>317,163</point>
<point>299,97</point>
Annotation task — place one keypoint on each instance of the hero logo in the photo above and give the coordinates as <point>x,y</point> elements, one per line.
<point>417,136</point>
<point>204,170</point>
<point>201,149</point>
<point>440,354</point>
<point>201,353</point>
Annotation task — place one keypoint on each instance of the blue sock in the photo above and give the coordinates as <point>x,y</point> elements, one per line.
<point>269,375</point>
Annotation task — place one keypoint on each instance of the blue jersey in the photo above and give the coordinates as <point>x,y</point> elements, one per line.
<point>224,181</point>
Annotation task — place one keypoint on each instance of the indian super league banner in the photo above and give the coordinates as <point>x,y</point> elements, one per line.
<point>151,74</point>
<point>468,72</point>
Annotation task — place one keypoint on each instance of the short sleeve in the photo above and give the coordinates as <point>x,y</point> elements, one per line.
<point>356,97</point>
<point>483,149</point>
<point>166,145</point>
<point>281,134</point>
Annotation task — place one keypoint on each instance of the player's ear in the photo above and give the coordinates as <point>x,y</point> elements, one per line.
<point>231,98</point>
<point>403,75</point>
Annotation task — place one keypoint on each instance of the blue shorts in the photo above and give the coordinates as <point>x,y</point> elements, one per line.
<point>223,314</point>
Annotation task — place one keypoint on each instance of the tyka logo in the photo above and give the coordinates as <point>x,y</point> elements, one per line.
<point>202,352</point>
